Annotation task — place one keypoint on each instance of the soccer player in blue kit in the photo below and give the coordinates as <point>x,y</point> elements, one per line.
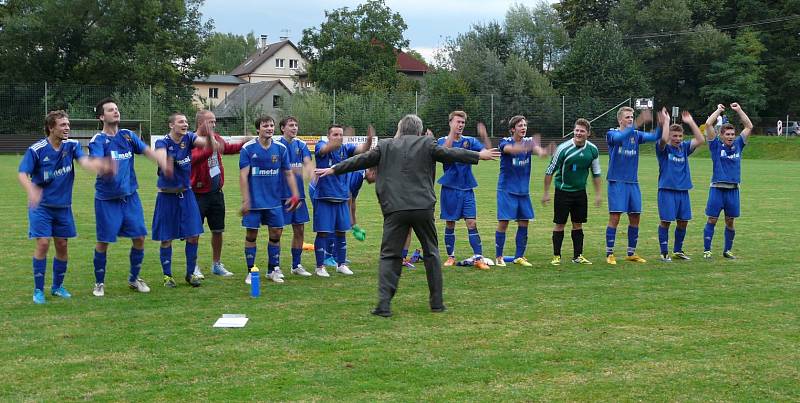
<point>300,161</point>
<point>262,162</point>
<point>331,210</point>
<point>457,196</point>
<point>726,159</point>
<point>674,181</point>
<point>117,207</point>
<point>46,173</point>
<point>177,215</point>
<point>513,188</point>
<point>624,195</point>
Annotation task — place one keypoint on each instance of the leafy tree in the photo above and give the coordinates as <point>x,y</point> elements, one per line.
<point>536,34</point>
<point>355,49</point>
<point>224,52</point>
<point>575,14</point>
<point>443,93</point>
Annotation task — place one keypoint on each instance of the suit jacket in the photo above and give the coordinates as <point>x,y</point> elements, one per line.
<point>406,169</point>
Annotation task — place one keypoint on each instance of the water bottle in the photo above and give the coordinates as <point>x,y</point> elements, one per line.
<point>255,283</point>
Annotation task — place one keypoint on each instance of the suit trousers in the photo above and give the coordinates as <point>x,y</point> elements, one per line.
<point>395,229</point>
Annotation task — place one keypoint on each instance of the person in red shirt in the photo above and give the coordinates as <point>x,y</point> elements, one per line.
<point>208,176</point>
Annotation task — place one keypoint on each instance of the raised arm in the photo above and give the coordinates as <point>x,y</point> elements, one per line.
<point>362,148</point>
<point>664,122</point>
<point>711,133</point>
<point>698,139</point>
<point>748,125</point>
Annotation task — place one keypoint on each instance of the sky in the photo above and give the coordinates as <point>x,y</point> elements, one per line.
<point>430,22</point>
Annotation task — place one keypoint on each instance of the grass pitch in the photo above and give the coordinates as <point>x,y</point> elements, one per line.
<point>697,330</point>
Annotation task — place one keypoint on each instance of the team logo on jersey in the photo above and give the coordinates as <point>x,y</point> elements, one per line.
<point>127,136</point>
<point>465,144</point>
<point>633,140</point>
<point>46,159</point>
<point>183,145</point>
<point>274,158</point>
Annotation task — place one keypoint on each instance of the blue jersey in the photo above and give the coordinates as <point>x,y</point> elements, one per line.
<point>298,150</point>
<point>266,166</point>
<point>673,166</point>
<point>121,148</point>
<point>181,154</point>
<point>52,170</point>
<point>726,161</point>
<point>515,169</point>
<point>333,187</point>
<point>623,153</point>
<point>458,175</point>
<point>356,180</point>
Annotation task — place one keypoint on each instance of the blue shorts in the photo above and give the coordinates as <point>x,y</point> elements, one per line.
<point>176,216</point>
<point>119,217</point>
<point>46,222</point>
<point>513,207</point>
<point>674,205</point>
<point>457,204</point>
<point>624,197</point>
<point>723,199</point>
<point>298,216</point>
<point>331,216</point>
<point>272,217</point>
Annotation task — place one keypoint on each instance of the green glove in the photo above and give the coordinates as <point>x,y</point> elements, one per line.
<point>358,233</point>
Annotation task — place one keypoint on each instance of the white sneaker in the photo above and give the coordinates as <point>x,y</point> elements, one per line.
<point>280,273</point>
<point>275,276</point>
<point>99,290</point>
<point>300,271</point>
<point>197,273</point>
<point>344,270</point>
<point>139,285</point>
<point>247,279</point>
<point>219,269</point>
<point>322,272</point>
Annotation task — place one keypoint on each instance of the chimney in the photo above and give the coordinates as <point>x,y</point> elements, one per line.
<point>262,43</point>
<point>284,38</point>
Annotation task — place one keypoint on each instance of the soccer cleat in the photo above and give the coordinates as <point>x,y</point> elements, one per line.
<point>38,296</point>
<point>665,258</point>
<point>193,280</point>
<point>451,260</point>
<point>60,292</point>
<point>581,260</point>
<point>706,254</point>
<point>275,276</point>
<point>198,273</point>
<point>330,262</point>
<point>169,282</point>
<point>416,257</point>
<point>556,261</point>
<point>407,264</point>
<point>299,270</point>
<point>308,247</point>
<point>611,259</point>
<point>728,255</point>
<point>679,255</point>
<point>320,271</point>
<point>247,280</point>
<point>500,262</point>
<point>139,285</point>
<point>342,268</point>
<point>99,289</point>
<point>280,273</point>
<point>522,261</point>
<point>219,269</point>
<point>635,259</point>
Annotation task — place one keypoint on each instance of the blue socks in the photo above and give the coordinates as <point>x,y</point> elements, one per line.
<point>404,253</point>
<point>475,241</point>
<point>522,241</point>
<point>320,248</point>
<point>499,243</point>
<point>341,249</point>
<point>99,267</point>
<point>136,257</point>
<point>165,255</point>
<point>191,257</point>
<point>708,236</point>
<point>450,241</point>
<point>250,256</point>
<point>611,237</point>
<point>39,269</point>
<point>59,271</point>
<point>633,239</point>
<point>680,235</point>
<point>273,256</point>
<point>330,247</point>
<point>296,253</point>
<point>729,235</point>
<point>663,239</point>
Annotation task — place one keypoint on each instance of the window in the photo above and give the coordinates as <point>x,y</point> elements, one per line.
<point>279,63</point>
<point>292,63</point>
<point>276,101</point>
<point>213,93</point>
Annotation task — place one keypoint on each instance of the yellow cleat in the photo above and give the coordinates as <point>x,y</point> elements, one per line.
<point>500,262</point>
<point>556,260</point>
<point>610,259</point>
<point>635,259</point>
<point>522,261</point>
<point>581,260</point>
<point>450,261</point>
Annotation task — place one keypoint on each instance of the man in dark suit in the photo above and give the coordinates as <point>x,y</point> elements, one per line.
<point>407,161</point>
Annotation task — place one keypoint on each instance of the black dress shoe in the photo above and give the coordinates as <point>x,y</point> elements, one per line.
<point>378,312</point>
<point>439,309</point>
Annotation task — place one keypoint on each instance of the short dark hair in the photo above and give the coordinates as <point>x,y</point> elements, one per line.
<point>334,126</point>
<point>263,119</point>
<point>285,121</point>
<point>585,123</point>
<point>675,128</point>
<point>513,122</point>
<point>726,126</point>
<point>50,119</point>
<point>174,116</point>
<point>98,109</point>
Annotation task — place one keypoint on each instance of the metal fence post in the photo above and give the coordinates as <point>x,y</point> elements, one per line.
<point>416,103</point>
<point>491,124</point>
<point>334,106</point>
<point>150,110</point>
<point>563,116</point>
<point>45,98</point>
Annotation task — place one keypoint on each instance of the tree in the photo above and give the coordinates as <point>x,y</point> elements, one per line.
<point>223,52</point>
<point>536,34</point>
<point>355,49</point>
<point>575,14</point>
<point>444,93</point>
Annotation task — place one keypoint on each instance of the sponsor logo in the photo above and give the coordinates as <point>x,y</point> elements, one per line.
<point>48,176</point>
<point>733,156</point>
<point>255,171</point>
<point>119,157</point>
<point>627,152</point>
<point>185,161</point>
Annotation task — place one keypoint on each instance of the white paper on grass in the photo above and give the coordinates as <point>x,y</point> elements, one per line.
<point>231,320</point>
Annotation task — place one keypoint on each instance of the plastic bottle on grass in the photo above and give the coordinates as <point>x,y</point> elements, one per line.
<point>255,283</point>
